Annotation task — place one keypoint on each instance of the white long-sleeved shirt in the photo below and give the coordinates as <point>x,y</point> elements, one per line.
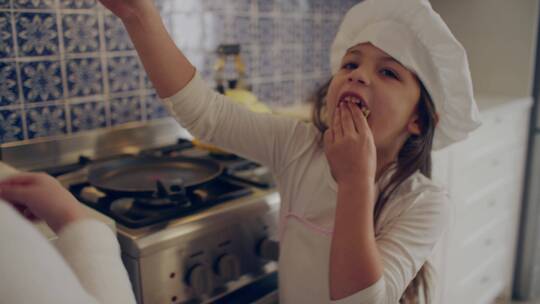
<point>409,227</point>
<point>85,267</point>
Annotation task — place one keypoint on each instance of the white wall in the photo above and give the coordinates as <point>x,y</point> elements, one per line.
<point>500,38</point>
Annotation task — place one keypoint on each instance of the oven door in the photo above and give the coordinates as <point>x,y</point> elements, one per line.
<point>261,291</point>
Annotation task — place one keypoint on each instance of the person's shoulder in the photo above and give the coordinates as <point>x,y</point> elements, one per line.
<point>418,184</point>
<point>419,192</point>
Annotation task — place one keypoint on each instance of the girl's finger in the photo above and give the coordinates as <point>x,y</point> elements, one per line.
<point>360,121</point>
<point>338,131</point>
<point>15,194</point>
<point>20,179</point>
<point>347,122</point>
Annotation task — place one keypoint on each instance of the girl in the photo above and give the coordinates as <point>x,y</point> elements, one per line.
<point>359,215</point>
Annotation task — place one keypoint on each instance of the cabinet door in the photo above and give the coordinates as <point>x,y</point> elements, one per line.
<point>485,182</point>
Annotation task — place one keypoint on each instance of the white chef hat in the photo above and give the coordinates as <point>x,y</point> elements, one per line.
<point>416,36</point>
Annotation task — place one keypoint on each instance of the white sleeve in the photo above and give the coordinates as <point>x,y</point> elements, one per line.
<point>211,117</point>
<point>31,270</point>
<point>405,245</point>
<point>92,250</point>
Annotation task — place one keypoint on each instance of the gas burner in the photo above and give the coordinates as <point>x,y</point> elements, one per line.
<point>224,156</point>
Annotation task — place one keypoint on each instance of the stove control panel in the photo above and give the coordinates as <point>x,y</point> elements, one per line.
<point>210,261</point>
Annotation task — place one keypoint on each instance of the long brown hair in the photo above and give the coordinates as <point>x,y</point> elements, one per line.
<point>413,156</point>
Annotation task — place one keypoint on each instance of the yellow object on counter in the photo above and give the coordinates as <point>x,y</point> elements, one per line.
<point>247,99</point>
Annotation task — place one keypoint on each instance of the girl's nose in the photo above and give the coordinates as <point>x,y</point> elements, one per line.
<point>359,75</point>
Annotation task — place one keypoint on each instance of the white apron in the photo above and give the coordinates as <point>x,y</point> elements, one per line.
<point>305,242</point>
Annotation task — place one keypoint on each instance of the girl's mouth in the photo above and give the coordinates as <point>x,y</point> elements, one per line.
<point>357,100</point>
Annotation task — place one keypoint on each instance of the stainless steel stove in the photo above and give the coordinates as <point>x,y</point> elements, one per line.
<point>196,244</point>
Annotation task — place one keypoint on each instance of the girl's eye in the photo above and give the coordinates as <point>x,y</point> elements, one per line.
<point>390,73</point>
<point>350,66</point>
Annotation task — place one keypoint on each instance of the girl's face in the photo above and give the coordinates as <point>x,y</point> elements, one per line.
<point>388,89</point>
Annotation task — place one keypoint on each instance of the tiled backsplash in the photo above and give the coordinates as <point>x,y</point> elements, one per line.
<point>67,66</point>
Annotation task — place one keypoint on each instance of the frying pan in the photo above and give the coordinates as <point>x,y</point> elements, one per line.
<point>140,174</point>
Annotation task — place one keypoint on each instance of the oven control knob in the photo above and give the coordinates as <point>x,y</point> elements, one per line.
<point>228,267</point>
<point>199,278</point>
<point>267,249</point>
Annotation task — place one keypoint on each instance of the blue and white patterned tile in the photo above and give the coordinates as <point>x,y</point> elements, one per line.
<point>6,36</point>
<point>316,6</point>
<point>328,30</point>
<point>125,110</point>
<point>243,6</point>
<point>266,33</point>
<point>41,81</point>
<point>116,37</point>
<point>46,121</point>
<point>342,6</point>
<point>290,30</point>
<point>317,30</point>
<point>308,60</point>
<point>319,59</point>
<point>11,126</point>
<point>329,7</point>
<point>213,5</point>
<point>217,29</point>
<point>267,62</point>
<point>81,33</point>
<point>208,66</point>
<point>308,88</point>
<point>37,34</point>
<point>146,80</point>
<point>84,77</point>
<point>154,107</point>
<point>289,56</point>
<point>76,4</point>
<point>184,6</point>
<point>266,92</point>
<point>265,6</point>
<point>33,3</point>
<point>4,4</point>
<point>249,55</point>
<point>308,25</point>
<point>123,74</point>
<point>285,94</point>
<point>290,6</point>
<point>242,29</point>
<point>9,92</point>
<point>87,116</point>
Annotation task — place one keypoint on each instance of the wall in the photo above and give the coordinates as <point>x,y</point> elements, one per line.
<point>500,39</point>
<point>67,66</point>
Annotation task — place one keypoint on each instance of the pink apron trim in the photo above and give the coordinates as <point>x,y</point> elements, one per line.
<point>318,229</point>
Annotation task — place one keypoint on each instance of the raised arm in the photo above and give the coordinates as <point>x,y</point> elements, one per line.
<point>270,140</point>
<point>166,66</point>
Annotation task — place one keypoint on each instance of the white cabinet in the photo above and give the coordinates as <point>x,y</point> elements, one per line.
<point>484,176</point>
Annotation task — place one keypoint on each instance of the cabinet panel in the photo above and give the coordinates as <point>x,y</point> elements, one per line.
<point>493,202</point>
<point>482,170</point>
<point>504,126</point>
<point>483,285</point>
<point>485,181</point>
<point>478,246</point>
